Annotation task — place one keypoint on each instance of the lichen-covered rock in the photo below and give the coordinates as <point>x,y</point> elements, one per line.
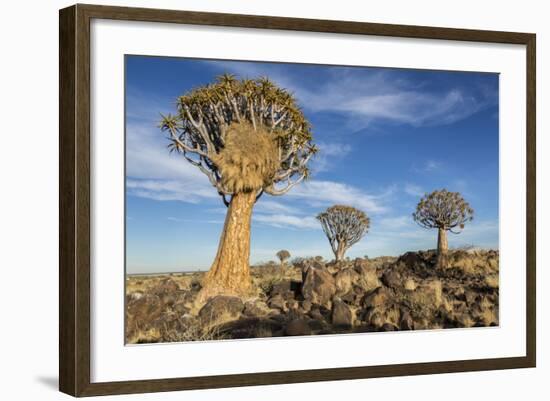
<point>341,313</point>
<point>145,308</point>
<point>428,293</point>
<point>392,279</point>
<point>345,280</point>
<point>377,297</point>
<point>256,308</point>
<point>221,309</point>
<point>378,294</point>
<point>368,277</point>
<point>277,302</point>
<point>319,286</point>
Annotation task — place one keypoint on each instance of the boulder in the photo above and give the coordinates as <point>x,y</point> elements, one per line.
<point>134,296</point>
<point>388,327</point>
<point>344,281</point>
<point>392,279</point>
<point>297,327</point>
<point>165,286</point>
<point>341,313</point>
<point>306,306</point>
<point>368,277</point>
<point>409,284</point>
<point>319,286</point>
<point>277,302</point>
<point>377,297</point>
<point>221,309</point>
<point>317,325</point>
<point>417,260</point>
<point>286,288</point>
<point>292,305</point>
<point>316,314</point>
<point>406,322</point>
<point>429,294</point>
<point>144,310</point>
<point>255,308</point>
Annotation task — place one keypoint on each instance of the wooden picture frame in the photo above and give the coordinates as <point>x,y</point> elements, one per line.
<point>74,203</point>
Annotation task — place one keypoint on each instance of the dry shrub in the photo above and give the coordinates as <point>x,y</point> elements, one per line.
<point>492,280</point>
<point>196,332</point>
<point>142,336</point>
<point>475,261</point>
<point>265,277</point>
<point>409,284</point>
<point>249,159</point>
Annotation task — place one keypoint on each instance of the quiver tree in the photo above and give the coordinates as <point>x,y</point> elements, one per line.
<point>344,226</point>
<point>248,137</point>
<point>283,255</point>
<point>445,211</point>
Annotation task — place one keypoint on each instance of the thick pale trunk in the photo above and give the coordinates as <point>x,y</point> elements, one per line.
<point>442,248</point>
<point>230,271</point>
<point>340,251</point>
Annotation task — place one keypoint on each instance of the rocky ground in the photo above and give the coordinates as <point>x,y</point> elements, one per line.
<point>312,296</point>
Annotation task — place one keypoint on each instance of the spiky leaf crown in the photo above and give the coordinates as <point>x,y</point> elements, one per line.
<point>443,209</point>
<point>205,117</point>
<point>344,224</point>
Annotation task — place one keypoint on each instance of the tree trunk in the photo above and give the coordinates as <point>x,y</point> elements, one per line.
<point>230,271</point>
<point>340,251</point>
<point>442,248</point>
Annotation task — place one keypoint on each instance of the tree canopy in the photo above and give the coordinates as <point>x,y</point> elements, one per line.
<point>344,226</point>
<point>244,135</point>
<point>283,255</point>
<point>443,209</point>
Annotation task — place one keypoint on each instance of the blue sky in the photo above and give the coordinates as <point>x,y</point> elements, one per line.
<point>385,137</point>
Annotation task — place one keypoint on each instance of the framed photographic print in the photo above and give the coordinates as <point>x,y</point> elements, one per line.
<point>250,200</point>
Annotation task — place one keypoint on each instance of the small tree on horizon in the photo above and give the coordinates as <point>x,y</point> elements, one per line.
<point>283,255</point>
<point>248,137</point>
<point>445,211</point>
<point>344,226</point>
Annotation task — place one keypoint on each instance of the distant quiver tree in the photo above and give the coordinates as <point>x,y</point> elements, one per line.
<point>445,211</point>
<point>248,137</point>
<point>344,226</point>
<point>283,255</point>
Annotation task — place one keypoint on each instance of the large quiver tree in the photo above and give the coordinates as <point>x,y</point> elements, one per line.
<point>445,211</point>
<point>344,226</point>
<point>248,137</point>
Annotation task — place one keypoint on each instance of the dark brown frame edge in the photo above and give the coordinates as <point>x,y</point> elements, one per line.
<point>74,199</point>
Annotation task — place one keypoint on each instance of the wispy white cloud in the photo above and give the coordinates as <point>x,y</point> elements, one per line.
<point>287,221</point>
<point>155,174</point>
<point>325,193</point>
<point>395,223</point>
<point>413,190</point>
<point>169,190</point>
<point>146,107</point>
<point>427,167</point>
<point>198,221</point>
<point>376,96</point>
<point>269,205</point>
<point>328,154</point>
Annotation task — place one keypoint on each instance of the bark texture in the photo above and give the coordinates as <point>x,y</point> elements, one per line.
<point>442,247</point>
<point>230,271</point>
<point>341,251</point>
